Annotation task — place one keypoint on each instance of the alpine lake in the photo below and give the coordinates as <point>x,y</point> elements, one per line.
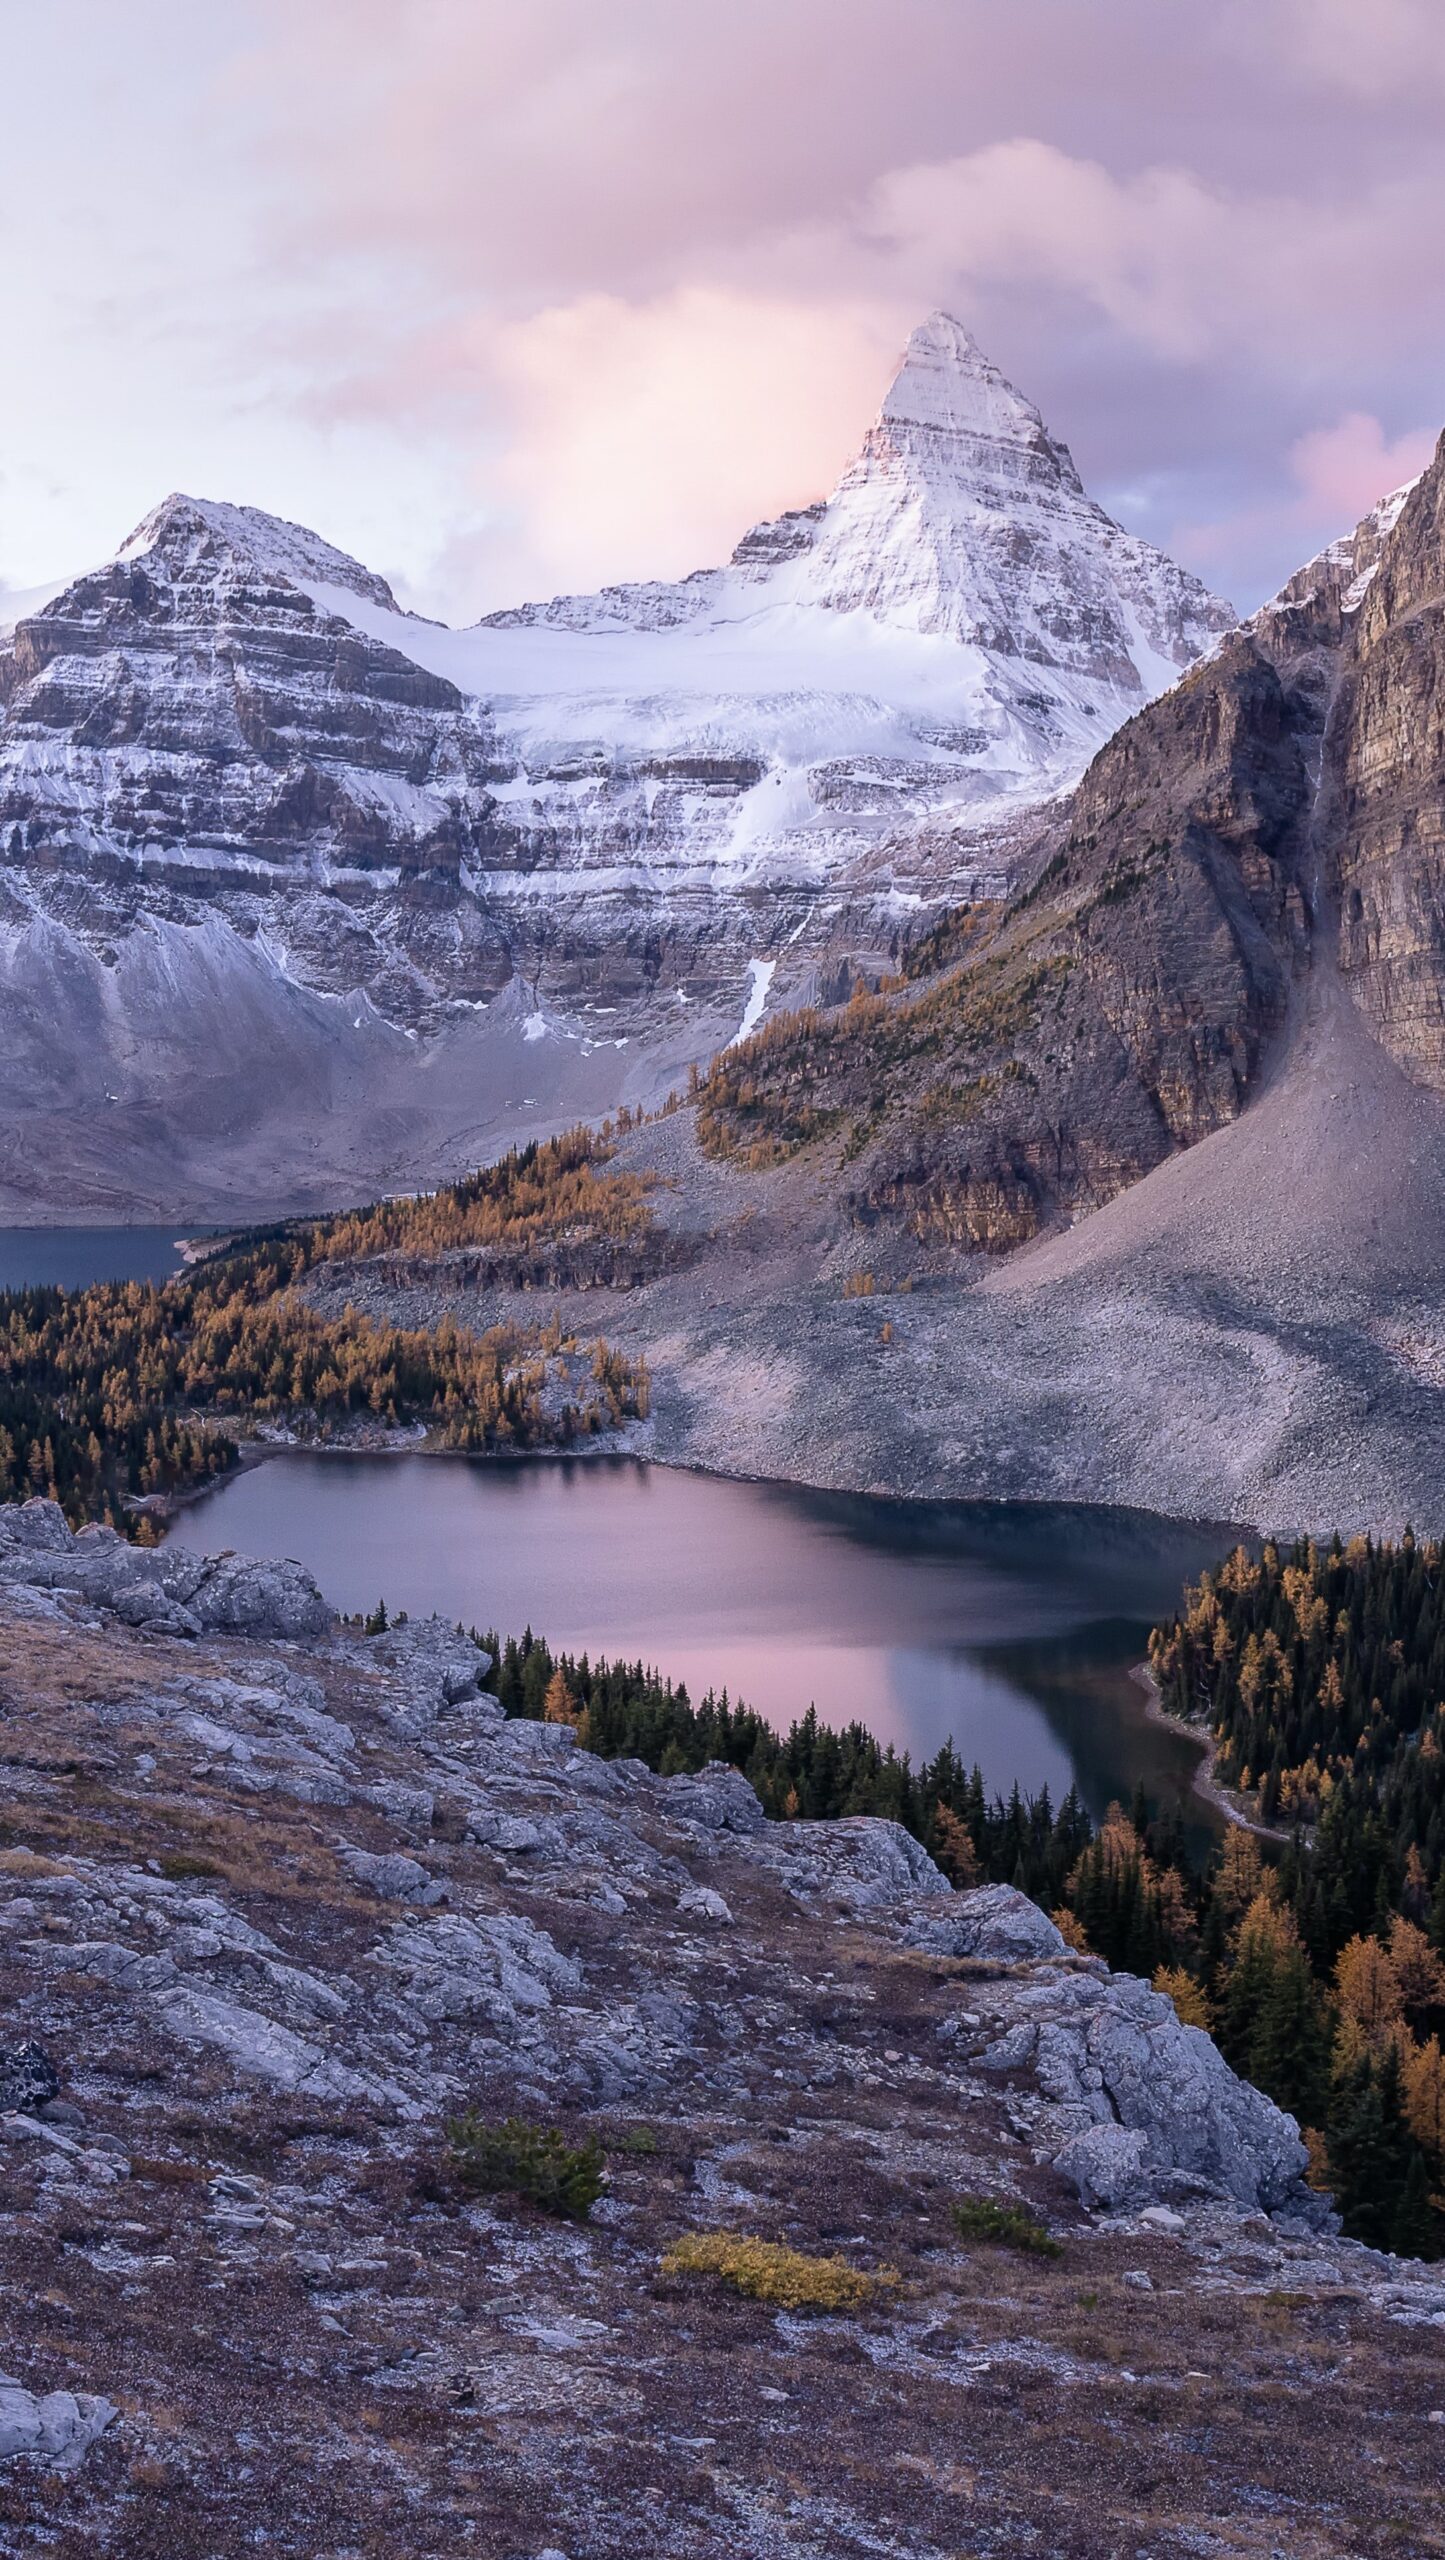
<point>1013,1629</point>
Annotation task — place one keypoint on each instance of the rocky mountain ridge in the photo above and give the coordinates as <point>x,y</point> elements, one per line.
<point>304,895</point>
<point>277,1898</point>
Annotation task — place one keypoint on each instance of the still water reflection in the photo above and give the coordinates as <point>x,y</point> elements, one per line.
<point>1011,1628</point>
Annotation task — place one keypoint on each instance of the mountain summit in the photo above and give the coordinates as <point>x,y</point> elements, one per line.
<point>945,380</point>
<point>269,841</point>
<point>963,515</point>
<point>188,534</point>
<point>963,518</point>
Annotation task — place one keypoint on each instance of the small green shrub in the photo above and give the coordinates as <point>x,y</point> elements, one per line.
<point>1005,2226</point>
<point>531,2160</point>
<point>639,2140</point>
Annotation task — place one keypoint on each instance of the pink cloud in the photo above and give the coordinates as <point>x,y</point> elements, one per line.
<point>1369,48</point>
<point>1339,472</point>
<point>1342,470</point>
<point>576,291</point>
<point>644,439</point>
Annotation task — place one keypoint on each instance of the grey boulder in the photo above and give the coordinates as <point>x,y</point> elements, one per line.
<point>1111,2056</point>
<point>1108,2165</point>
<point>995,1923</point>
<point>717,1798</point>
<point>860,1863</point>
<point>393,1875</point>
<point>59,2427</point>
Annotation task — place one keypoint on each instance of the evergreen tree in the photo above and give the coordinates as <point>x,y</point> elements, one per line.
<point>1416,2228</point>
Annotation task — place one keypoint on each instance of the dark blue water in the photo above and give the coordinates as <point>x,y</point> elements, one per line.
<point>72,1257</point>
<point>1011,1628</point>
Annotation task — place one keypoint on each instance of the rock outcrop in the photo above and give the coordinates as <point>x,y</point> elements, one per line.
<point>1383,795</point>
<point>169,1589</point>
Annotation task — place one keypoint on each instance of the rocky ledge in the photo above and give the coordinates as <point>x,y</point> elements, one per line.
<point>278,1900</point>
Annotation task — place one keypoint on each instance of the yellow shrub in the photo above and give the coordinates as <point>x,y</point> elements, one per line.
<point>769,2272</point>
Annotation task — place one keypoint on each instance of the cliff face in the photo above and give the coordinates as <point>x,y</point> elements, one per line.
<point>1118,1011</point>
<point>187,733</point>
<point>1279,812</point>
<point>1384,789</point>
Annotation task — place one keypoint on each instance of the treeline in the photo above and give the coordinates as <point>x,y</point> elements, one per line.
<point>813,1773</point>
<point>923,1085</point>
<point>127,1390</point>
<point>547,1215</point>
<point>1345,2035</point>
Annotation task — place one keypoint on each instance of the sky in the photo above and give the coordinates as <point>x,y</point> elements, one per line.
<point>514,296</point>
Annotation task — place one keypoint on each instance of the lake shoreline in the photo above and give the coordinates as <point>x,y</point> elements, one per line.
<point>1205,1785</point>
<point>631,1442</point>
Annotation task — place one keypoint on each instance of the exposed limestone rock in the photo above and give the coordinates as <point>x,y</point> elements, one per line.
<point>172,1591</point>
<point>859,1864</point>
<point>1383,795</point>
<point>57,2428</point>
<point>260,830</point>
<point>994,1921</point>
<point>395,1877</point>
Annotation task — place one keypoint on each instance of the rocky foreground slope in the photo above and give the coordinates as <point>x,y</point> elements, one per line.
<point>276,1899</point>
<point>302,896</point>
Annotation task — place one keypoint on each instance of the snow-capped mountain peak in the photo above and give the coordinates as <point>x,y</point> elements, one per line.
<point>1342,574</point>
<point>947,383</point>
<point>185,533</point>
<point>612,828</point>
<point>961,519</point>
<point>963,515</point>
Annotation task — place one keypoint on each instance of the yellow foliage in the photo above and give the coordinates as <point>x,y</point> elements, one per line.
<point>1265,1925</point>
<point>1319,2173</point>
<point>1368,1991</point>
<point>1071,1929</point>
<point>1425,2097</point>
<point>1418,1971</point>
<point>535,1197</point>
<point>953,1849</point>
<point>559,1706</point>
<point>1191,2007</point>
<point>1241,1875</point>
<point>767,2271</point>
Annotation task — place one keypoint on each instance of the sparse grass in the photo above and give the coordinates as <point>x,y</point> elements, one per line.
<point>1003,2226</point>
<point>531,2160</point>
<point>639,2141</point>
<point>768,2271</point>
<point>167,2173</point>
<point>27,1862</point>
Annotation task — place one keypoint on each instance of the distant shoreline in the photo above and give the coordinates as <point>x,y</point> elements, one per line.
<point>1204,1783</point>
